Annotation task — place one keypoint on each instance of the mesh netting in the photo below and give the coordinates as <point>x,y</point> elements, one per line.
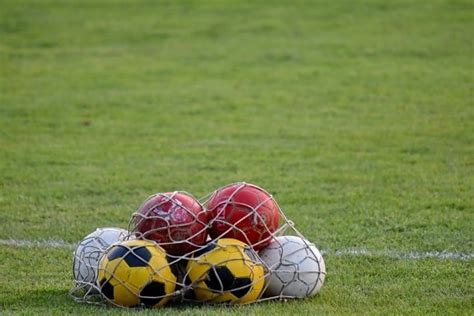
<point>234,246</point>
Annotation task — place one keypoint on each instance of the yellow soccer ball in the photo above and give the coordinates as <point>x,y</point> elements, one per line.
<point>226,271</point>
<point>136,273</point>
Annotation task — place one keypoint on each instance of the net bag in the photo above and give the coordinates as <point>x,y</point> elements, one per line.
<point>234,246</point>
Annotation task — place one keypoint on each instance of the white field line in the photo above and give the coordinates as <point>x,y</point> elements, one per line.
<point>351,252</point>
<point>403,255</point>
<point>45,243</point>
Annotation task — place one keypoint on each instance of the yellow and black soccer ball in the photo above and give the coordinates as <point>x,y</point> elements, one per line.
<point>136,273</point>
<point>225,271</point>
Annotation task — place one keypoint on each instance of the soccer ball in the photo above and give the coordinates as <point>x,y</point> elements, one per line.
<point>89,251</point>
<point>226,271</point>
<point>136,273</point>
<point>296,267</point>
<point>175,220</point>
<point>244,212</point>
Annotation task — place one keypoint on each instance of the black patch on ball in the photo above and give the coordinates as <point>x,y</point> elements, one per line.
<point>189,293</point>
<point>117,252</point>
<point>155,290</point>
<point>241,287</point>
<point>137,257</point>
<point>205,249</point>
<point>187,280</point>
<point>179,270</point>
<point>220,279</point>
<point>107,289</point>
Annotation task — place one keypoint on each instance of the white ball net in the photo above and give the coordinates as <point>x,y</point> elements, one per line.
<point>234,246</point>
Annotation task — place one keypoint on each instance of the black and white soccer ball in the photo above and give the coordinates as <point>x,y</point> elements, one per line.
<point>296,268</point>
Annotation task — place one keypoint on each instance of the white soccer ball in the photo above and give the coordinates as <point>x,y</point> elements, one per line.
<point>89,251</point>
<point>296,267</point>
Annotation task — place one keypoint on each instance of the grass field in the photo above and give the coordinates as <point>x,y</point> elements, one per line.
<point>357,116</point>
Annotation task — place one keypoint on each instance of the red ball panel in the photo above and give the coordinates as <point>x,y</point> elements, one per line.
<point>176,221</point>
<point>244,212</point>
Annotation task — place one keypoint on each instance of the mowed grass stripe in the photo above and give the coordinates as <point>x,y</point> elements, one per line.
<point>356,252</point>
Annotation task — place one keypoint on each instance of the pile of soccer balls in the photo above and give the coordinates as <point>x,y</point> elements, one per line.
<point>228,249</point>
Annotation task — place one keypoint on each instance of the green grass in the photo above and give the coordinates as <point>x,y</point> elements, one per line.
<point>357,116</point>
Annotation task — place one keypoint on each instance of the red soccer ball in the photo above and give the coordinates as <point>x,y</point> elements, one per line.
<point>244,212</point>
<point>175,220</point>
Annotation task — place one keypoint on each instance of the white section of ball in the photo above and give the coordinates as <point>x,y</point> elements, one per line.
<point>296,267</point>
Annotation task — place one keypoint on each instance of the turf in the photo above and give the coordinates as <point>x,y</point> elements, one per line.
<point>356,116</point>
